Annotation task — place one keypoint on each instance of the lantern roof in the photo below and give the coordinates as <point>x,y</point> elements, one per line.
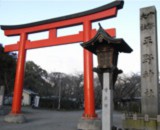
<point>104,38</point>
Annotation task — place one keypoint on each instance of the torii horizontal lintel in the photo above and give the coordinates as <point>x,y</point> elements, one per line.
<point>56,40</point>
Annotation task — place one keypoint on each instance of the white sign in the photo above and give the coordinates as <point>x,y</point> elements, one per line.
<point>36,101</point>
<point>1,100</point>
<point>1,95</point>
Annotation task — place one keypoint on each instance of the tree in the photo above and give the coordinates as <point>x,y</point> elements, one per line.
<point>127,88</point>
<point>56,81</point>
<point>36,79</point>
<point>67,87</point>
<point>98,93</point>
<point>62,85</point>
<point>7,70</point>
<point>78,85</point>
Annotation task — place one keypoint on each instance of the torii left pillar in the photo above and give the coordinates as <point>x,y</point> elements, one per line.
<point>15,116</point>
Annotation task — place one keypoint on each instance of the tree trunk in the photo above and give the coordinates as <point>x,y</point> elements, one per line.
<point>59,97</point>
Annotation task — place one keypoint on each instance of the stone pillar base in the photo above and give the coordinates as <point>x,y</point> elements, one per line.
<point>89,124</point>
<point>139,122</point>
<point>15,118</point>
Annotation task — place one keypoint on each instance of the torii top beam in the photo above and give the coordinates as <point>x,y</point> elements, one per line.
<point>51,25</point>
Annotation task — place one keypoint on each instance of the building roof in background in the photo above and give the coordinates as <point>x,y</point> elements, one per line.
<point>29,92</point>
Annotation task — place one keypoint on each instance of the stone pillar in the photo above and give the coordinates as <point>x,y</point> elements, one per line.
<point>149,119</point>
<point>149,61</point>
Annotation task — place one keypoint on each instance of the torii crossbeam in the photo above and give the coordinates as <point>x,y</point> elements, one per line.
<point>51,25</point>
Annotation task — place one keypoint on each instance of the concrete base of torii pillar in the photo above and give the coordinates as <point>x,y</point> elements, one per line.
<point>15,118</point>
<point>89,124</point>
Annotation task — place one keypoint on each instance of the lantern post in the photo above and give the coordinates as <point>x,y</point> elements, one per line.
<point>107,49</point>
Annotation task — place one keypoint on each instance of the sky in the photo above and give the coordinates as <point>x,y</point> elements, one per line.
<point>69,58</point>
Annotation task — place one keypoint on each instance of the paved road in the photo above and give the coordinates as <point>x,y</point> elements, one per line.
<point>48,120</point>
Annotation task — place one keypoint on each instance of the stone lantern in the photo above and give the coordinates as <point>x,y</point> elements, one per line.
<point>107,49</point>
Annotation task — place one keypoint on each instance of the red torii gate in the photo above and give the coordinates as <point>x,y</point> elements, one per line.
<point>84,18</point>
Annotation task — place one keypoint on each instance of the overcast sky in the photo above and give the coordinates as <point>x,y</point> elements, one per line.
<point>69,58</point>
